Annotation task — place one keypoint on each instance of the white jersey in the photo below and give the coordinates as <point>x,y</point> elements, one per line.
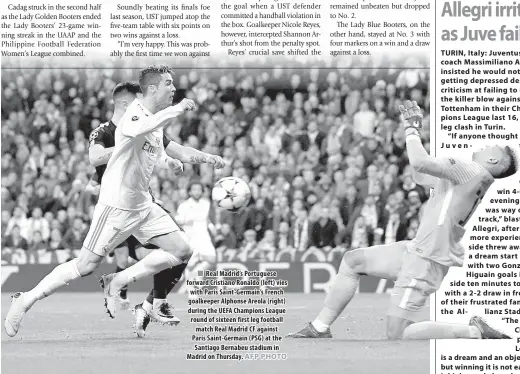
<point>138,144</point>
<point>194,218</point>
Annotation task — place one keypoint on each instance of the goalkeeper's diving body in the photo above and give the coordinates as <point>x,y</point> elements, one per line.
<point>420,265</point>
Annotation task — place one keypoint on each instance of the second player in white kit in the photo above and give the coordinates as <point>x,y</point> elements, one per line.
<point>193,216</point>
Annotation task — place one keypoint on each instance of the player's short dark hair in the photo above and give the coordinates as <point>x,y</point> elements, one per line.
<point>513,164</point>
<point>126,87</point>
<point>152,75</point>
<point>196,182</point>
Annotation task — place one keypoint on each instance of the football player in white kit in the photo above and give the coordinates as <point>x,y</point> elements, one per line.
<point>125,205</point>
<point>193,216</point>
<point>101,144</point>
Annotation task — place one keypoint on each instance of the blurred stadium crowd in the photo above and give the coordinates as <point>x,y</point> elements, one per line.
<point>322,150</point>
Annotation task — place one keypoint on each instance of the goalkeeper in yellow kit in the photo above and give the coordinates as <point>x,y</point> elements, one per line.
<point>420,265</point>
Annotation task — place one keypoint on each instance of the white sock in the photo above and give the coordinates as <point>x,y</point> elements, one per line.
<point>59,277</point>
<point>158,302</point>
<point>439,330</point>
<point>147,306</point>
<point>319,326</point>
<point>155,262</point>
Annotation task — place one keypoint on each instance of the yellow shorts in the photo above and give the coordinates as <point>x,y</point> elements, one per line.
<point>418,278</point>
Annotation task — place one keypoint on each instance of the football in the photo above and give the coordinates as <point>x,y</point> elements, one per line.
<point>231,193</point>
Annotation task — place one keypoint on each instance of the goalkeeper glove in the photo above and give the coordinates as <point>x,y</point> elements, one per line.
<point>412,117</point>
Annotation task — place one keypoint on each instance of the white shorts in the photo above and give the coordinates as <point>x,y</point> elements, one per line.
<point>111,226</point>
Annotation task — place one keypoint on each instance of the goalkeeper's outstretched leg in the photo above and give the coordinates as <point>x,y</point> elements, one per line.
<point>382,261</point>
<point>416,278</point>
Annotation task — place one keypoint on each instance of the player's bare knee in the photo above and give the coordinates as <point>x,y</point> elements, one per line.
<point>86,268</point>
<point>175,243</point>
<point>355,260</point>
<point>183,250</point>
<point>87,262</point>
<point>188,258</point>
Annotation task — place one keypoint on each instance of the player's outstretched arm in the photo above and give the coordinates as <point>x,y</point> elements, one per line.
<point>134,125</point>
<point>453,170</point>
<point>166,162</point>
<point>193,156</point>
<point>420,160</point>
